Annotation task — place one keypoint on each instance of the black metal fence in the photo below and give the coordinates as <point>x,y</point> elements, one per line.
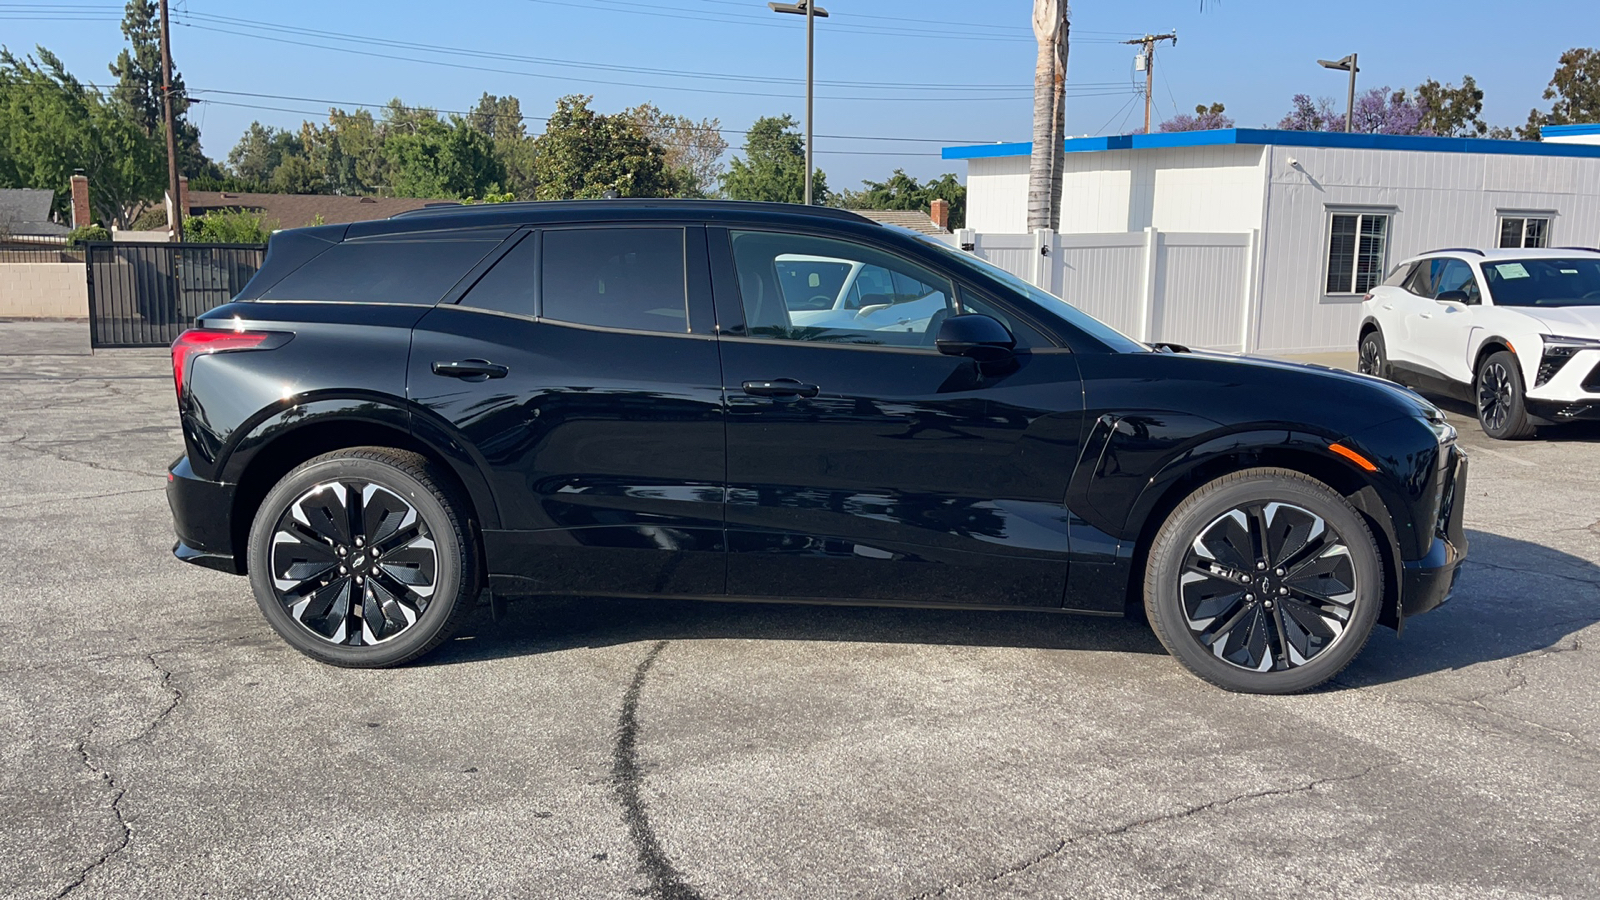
<point>145,295</point>
<point>29,255</point>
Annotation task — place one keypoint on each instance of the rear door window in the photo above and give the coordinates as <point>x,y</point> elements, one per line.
<point>416,268</point>
<point>627,278</point>
<point>512,285</point>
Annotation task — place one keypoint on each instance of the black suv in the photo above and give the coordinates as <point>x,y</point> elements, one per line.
<point>767,402</point>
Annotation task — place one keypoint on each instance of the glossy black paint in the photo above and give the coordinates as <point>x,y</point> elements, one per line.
<point>706,463</point>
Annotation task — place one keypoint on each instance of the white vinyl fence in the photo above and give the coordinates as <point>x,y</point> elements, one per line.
<point>1186,288</point>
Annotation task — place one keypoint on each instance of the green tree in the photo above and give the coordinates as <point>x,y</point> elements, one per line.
<point>51,124</point>
<point>902,191</point>
<point>693,149</point>
<point>1575,88</point>
<point>138,73</point>
<point>584,154</point>
<point>259,153</point>
<point>774,165</point>
<point>1450,111</point>
<point>501,119</point>
<point>440,159</point>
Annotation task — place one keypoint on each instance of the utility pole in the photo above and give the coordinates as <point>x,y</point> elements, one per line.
<point>1147,60</point>
<point>812,12</point>
<point>172,137</point>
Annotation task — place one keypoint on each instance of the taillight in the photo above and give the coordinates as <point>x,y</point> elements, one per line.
<point>1366,298</point>
<point>198,341</point>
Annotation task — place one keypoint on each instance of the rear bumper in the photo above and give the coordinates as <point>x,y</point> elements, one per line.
<point>202,513</point>
<point>1427,582</point>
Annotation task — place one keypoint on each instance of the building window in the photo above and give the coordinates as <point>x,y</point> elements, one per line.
<point>1358,245</point>
<point>1521,230</point>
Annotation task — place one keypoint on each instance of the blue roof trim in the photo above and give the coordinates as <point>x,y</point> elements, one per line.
<point>1265,136</point>
<point>1570,129</point>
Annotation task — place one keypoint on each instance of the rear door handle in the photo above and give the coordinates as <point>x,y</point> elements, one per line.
<point>780,387</point>
<point>471,370</point>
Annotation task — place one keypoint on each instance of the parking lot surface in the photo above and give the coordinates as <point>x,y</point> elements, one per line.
<point>159,740</point>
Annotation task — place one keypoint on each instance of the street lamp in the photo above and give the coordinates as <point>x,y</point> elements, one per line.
<point>1348,64</point>
<point>812,13</point>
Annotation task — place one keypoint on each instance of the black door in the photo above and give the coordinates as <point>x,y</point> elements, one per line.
<point>581,375</point>
<point>864,464</point>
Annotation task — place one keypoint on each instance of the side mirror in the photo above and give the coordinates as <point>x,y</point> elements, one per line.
<point>976,337</point>
<point>1453,297</point>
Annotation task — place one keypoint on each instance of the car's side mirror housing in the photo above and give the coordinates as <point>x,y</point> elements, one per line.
<point>1453,297</point>
<point>977,337</point>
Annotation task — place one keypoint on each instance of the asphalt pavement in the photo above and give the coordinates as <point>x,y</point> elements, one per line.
<point>158,740</point>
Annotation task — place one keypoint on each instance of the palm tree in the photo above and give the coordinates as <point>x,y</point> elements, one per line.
<point>1050,28</point>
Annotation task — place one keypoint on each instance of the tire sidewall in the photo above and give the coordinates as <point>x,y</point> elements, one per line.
<point>1375,338</point>
<point>443,529</point>
<point>1163,598</point>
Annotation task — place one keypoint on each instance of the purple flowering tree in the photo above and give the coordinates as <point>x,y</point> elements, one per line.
<point>1378,111</point>
<point>1205,118</point>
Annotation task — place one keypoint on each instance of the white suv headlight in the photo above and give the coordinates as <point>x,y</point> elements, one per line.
<point>1566,346</point>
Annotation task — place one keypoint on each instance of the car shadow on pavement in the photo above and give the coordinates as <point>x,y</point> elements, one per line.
<point>1514,597</point>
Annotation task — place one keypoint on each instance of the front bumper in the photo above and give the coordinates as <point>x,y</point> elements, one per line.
<point>202,516</point>
<point>1561,411</point>
<point>1427,582</point>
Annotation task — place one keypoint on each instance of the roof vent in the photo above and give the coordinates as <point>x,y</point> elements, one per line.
<point>368,200</point>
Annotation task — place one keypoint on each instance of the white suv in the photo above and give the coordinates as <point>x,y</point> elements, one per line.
<point>1516,332</point>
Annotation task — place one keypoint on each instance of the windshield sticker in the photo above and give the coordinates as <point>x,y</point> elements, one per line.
<point>1569,271</point>
<point>1511,270</point>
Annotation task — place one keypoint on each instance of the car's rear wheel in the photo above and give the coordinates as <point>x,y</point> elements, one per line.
<point>1264,581</point>
<point>1372,355</point>
<point>1502,405</point>
<point>363,557</point>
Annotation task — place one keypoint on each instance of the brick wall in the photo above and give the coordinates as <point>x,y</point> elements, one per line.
<point>43,291</point>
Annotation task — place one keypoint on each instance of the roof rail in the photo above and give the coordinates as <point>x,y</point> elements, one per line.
<point>1440,250</point>
<point>667,203</point>
<point>1584,249</point>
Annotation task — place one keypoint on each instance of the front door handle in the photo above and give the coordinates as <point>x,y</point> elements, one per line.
<point>780,387</point>
<point>471,370</point>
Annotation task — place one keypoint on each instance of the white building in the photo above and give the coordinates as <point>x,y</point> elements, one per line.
<point>1265,241</point>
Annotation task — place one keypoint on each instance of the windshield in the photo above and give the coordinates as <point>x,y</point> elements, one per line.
<point>1048,302</point>
<point>1544,282</point>
<point>811,282</point>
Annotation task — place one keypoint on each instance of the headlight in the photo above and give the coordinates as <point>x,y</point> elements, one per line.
<point>1560,345</point>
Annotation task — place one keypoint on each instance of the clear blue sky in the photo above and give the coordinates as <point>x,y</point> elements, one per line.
<point>966,67</point>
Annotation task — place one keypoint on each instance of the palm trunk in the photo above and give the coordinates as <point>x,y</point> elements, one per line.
<point>1049,114</point>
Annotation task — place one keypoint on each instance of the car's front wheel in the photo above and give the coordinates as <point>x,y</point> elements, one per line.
<point>363,557</point>
<point>1264,581</point>
<point>1502,405</point>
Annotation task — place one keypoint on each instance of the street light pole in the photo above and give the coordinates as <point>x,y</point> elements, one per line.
<point>812,12</point>
<point>1343,65</point>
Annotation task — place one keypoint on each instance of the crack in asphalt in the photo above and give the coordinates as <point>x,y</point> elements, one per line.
<point>125,836</point>
<point>666,883</point>
<point>1478,563</point>
<point>82,462</point>
<point>1061,846</point>
<point>86,497</point>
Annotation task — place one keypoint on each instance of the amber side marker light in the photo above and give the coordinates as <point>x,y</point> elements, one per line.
<point>1353,456</point>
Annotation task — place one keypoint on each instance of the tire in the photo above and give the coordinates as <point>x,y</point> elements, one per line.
<point>1501,401</point>
<point>1373,355</point>
<point>320,586</point>
<point>1276,625</point>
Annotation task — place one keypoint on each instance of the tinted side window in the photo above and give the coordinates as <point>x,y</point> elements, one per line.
<point>512,285</point>
<point>1421,281</point>
<point>1457,276</point>
<point>616,278</point>
<point>416,269</point>
<point>884,300</point>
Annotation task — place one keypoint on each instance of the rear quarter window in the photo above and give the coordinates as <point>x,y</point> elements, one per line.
<point>414,269</point>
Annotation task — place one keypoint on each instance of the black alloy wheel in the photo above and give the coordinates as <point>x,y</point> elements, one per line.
<point>361,558</point>
<point>1372,355</point>
<point>1502,408</point>
<point>1264,581</point>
